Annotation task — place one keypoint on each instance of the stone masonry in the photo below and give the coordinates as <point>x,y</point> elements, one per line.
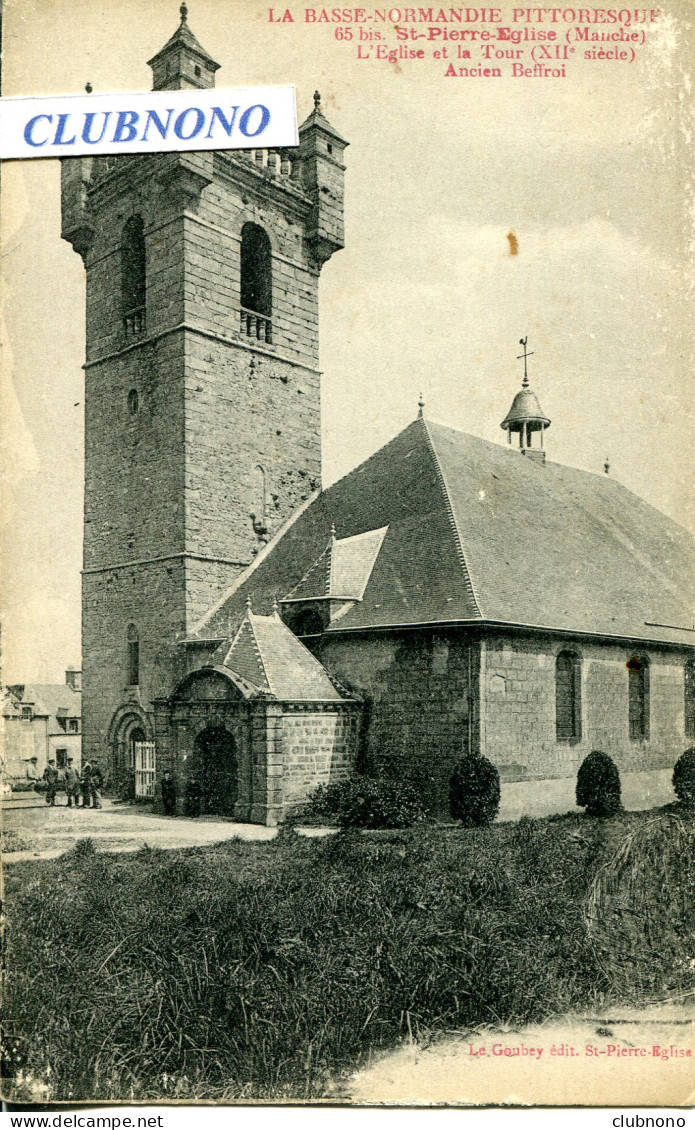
<point>202,423</point>
<point>518,710</point>
<point>282,751</point>
<point>420,701</point>
<point>432,697</point>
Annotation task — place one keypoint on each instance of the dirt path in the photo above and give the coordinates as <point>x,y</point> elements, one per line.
<point>39,832</point>
<point>635,1057</point>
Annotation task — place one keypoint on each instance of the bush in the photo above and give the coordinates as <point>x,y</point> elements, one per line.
<point>684,777</point>
<point>368,802</point>
<point>598,785</point>
<point>474,792</point>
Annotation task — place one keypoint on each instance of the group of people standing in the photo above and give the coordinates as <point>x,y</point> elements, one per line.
<point>85,785</point>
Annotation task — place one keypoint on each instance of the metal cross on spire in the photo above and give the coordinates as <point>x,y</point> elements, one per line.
<point>523,341</point>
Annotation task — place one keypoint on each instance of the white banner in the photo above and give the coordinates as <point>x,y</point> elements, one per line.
<point>250,117</point>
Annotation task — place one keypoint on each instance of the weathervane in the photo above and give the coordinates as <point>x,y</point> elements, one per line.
<point>523,341</point>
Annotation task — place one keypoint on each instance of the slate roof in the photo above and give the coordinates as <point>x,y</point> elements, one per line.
<point>342,570</point>
<point>48,700</point>
<point>477,533</point>
<point>266,654</point>
<point>184,37</point>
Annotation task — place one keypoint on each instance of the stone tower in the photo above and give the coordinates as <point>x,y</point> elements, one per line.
<point>202,397</point>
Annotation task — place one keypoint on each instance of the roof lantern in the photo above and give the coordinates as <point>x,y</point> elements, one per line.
<point>525,415</point>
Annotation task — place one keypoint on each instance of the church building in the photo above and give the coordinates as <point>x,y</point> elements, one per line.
<point>245,627</point>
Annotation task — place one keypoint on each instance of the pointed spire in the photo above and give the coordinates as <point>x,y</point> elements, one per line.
<point>421,407</point>
<point>183,63</point>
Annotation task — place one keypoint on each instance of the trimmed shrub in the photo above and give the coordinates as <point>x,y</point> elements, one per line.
<point>684,777</point>
<point>474,792</point>
<point>598,785</point>
<point>368,802</point>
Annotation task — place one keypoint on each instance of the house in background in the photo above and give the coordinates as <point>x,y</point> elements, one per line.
<point>40,722</point>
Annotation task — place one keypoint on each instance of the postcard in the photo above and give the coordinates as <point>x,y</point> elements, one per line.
<point>348,588</point>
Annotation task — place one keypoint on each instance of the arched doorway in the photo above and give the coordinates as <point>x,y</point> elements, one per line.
<point>130,740</point>
<point>214,764</point>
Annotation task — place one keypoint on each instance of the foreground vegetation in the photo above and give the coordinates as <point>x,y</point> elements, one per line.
<point>273,969</point>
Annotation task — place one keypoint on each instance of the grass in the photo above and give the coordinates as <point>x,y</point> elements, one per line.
<point>271,970</point>
<point>12,841</point>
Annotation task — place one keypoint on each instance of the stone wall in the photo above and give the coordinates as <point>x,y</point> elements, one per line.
<point>518,707</point>
<point>151,597</point>
<point>419,702</point>
<point>422,702</point>
<point>318,748</point>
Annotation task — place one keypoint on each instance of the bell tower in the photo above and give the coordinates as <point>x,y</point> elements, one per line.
<point>202,387</point>
<point>526,415</point>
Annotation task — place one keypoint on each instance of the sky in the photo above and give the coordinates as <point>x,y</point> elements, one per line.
<point>592,174</point>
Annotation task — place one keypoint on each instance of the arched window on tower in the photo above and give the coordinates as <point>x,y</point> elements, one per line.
<point>133,269</point>
<point>689,673</point>
<point>638,697</point>
<point>256,297</point>
<point>133,657</point>
<point>568,696</point>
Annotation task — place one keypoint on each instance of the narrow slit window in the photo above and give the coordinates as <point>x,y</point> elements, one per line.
<point>689,674</point>
<point>133,657</point>
<point>568,690</point>
<point>638,697</point>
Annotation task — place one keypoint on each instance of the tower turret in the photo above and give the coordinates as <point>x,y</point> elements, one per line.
<point>526,415</point>
<point>183,64</point>
<point>321,150</point>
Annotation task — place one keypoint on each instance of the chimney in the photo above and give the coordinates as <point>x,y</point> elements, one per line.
<point>73,678</point>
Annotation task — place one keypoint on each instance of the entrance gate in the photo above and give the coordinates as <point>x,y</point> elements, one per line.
<point>145,765</point>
